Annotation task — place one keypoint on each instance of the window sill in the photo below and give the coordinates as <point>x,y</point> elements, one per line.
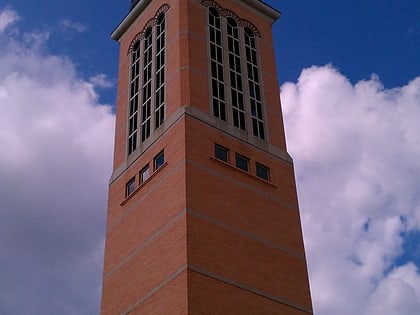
<point>142,184</point>
<point>244,172</point>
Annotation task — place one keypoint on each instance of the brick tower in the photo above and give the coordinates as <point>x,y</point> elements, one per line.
<point>203,215</point>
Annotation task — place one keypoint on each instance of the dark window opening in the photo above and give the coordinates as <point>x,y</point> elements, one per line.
<point>214,12</point>
<point>216,61</point>
<point>242,162</point>
<point>160,72</point>
<point>161,18</point>
<point>130,187</point>
<point>221,153</point>
<point>159,160</point>
<point>249,32</point>
<point>262,171</point>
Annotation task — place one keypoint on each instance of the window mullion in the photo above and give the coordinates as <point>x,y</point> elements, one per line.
<point>147,86</point>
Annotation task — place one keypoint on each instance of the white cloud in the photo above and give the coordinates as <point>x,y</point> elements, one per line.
<point>55,162</point>
<point>356,152</point>
<point>73,26</point>
<point>397,294</point>
<point>7,18</point>
<point>101,81</point>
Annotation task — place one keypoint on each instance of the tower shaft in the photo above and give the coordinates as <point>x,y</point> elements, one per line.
<point>203,215</point>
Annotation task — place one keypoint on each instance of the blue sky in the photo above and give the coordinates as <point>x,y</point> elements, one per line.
<point>357,37</point>
<point>350,89</point>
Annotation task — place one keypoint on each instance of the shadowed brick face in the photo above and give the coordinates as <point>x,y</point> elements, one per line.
<point>199,232</point>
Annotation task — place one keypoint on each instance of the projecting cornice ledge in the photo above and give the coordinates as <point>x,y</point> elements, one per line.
<point>142,4</point>
<point>265,8</point>
<point>126,22</point>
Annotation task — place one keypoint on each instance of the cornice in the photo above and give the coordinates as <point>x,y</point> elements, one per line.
<point>264,8</point>
<point>129,19</point>
<point>142,4</point>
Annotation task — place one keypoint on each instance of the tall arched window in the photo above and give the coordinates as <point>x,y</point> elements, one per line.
<point>235,74</point>
<point>160,72</point>
<point>147,86</point>
<point>134,99</point>
<point>254,85</point>
<point>216,60</point>
<point>147,82</point>
<point>235,41</point>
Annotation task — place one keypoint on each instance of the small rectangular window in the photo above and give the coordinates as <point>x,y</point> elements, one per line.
<point>144,174</point>
<point>262,171</point>
<point>221,153</point>
<point>242,162</point>
<point>130,187</point>
<point>159,160</point>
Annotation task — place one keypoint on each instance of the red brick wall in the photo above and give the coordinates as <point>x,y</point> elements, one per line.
<point>240,227</point>
<point>208,296</point>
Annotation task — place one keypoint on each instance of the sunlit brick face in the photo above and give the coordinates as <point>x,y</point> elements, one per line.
<point>235,80</point>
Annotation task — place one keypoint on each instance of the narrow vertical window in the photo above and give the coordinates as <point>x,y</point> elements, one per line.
<point>235,73</point>
<point>221,153</point>
<point>147,86</point>
<point>254,85</point>
<point>242,162</point>
<point>160,72</point>
<point>159,160</point>
<point>262,171</point>
<point>216,60</point>
<point>130,187</point>
<point>134,99</point>
<point>144,174</point>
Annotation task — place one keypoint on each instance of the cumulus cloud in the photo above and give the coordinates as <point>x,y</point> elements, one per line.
<point>55,161</point>
<point>397,294</point>
<point>356,151</point>
<point>101,81</point>
<point>7,18</point>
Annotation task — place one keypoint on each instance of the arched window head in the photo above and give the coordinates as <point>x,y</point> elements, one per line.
<point>232,22</point>
<point>249,32</point>
<point>161,18</point>
<point>136,46</point>
<point>214,12</point>
<point>148,32</point>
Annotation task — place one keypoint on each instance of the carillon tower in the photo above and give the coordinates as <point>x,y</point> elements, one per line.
<point>203,215</point>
